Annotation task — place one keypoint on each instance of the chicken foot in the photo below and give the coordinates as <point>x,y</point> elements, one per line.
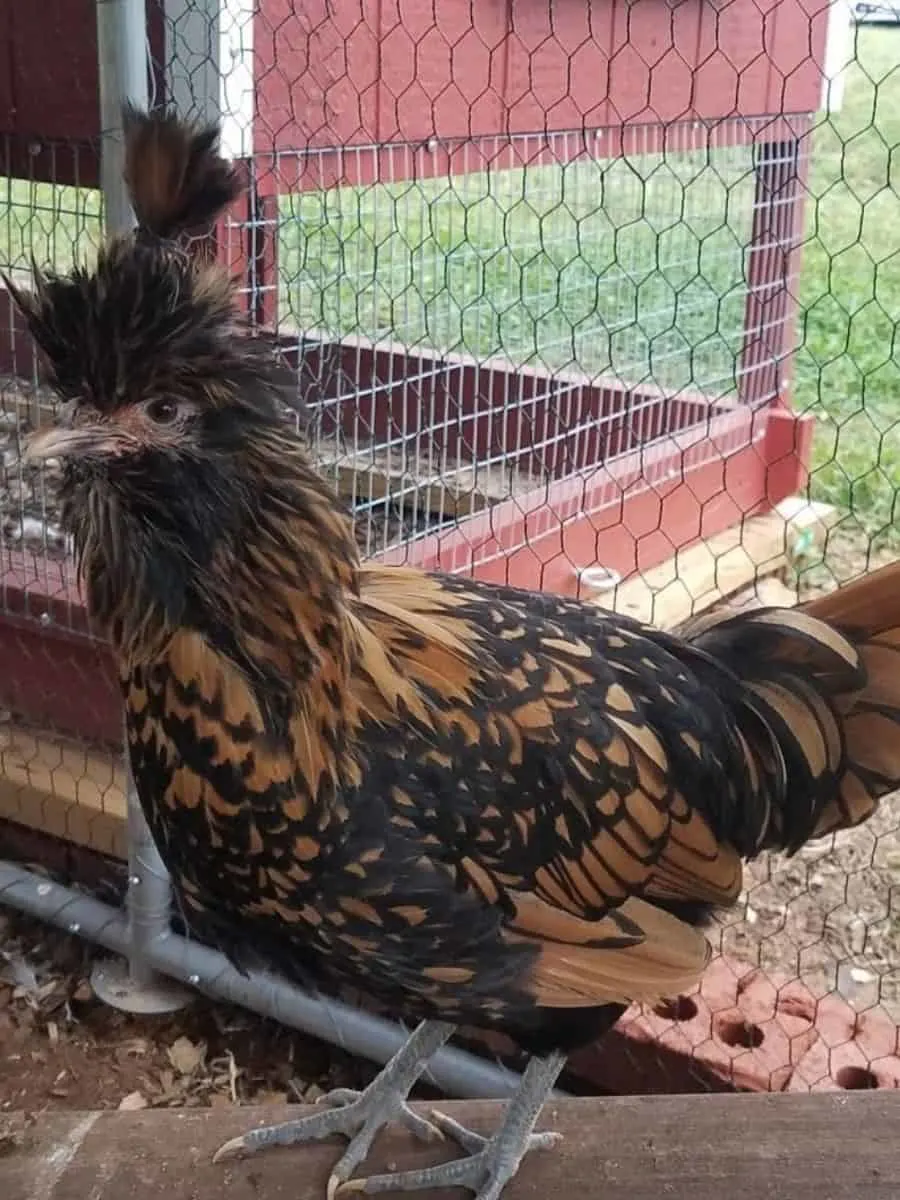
<point>358,1116</point>
<point>492,1162</point>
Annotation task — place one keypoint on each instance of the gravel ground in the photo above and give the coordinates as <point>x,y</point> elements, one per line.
<point>28,511</point>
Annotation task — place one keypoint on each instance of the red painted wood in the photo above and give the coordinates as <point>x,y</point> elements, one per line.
<point>261,259</point>
<point>788,452</point>
<point>629,515</point>
<point>652,61</point>
<point>731,65</point>
<point>60,682</point>
<point>796,32</point>
<point>442,67</point>
<point>316,73</point>
<point>49,92</point>
<point>7,91</point>
<point>44,160</point>
<point>51,57</point>
<point>547,424</point>
<point>557,65</point>
<point>52,673</point>
<point>16,348</point>
<point>778,212</point>
<point>356,72</point>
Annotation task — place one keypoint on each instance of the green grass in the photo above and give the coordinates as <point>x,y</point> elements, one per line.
<point>848,367</point>
<point>54,226</point>
<point>591,265</point>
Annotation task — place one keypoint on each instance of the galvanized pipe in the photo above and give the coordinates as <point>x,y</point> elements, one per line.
<point>454,1072</point>
<point>149,904</point>
<point>122,64</point>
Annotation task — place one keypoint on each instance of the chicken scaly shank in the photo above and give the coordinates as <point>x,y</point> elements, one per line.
<point>482,805</point>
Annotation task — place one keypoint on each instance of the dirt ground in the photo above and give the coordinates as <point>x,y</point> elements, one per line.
<point>61,1047</point>
<point>830,914</point>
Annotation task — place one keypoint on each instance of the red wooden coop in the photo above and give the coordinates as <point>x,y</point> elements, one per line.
<point>527,464</point>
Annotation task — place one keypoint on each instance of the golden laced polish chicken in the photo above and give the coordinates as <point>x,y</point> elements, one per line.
<point>480,804</point>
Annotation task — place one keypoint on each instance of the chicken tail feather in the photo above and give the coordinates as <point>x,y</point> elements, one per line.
<point>818,705</point>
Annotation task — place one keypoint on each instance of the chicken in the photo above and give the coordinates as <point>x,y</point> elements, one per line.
<point>481,805</point>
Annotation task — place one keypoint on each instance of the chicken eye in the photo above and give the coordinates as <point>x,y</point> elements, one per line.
<point>162,412</point>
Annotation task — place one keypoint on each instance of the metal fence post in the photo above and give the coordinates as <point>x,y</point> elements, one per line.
<point>132,985</point>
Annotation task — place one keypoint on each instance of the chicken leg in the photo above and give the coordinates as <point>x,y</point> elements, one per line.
<point>358,1115</point>
<point>492,1162</point>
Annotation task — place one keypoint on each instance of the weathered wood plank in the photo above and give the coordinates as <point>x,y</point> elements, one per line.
<point>839,1146</point>
<point>447,487</point>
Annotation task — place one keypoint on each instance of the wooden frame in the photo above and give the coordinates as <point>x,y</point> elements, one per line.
<point>839,1146</point>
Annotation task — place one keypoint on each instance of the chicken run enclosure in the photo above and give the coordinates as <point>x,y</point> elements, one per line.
<point>599,298</point>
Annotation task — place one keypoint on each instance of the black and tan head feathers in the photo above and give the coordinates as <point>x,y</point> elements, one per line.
<point>173,442</point>
<point>148,315</point>
<point>176,178</point>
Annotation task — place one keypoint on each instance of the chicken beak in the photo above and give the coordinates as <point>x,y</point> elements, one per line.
<point>60,442</point>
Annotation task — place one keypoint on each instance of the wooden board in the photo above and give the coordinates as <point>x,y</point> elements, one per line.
<point>834,1146</point>
<point>64,788</point>
<point>450,488</point>
<point>710,571</point>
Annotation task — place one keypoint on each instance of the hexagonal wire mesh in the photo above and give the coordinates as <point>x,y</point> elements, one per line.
<point>573,297</point>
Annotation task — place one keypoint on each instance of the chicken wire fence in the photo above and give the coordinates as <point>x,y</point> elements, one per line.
<point>575,299</point>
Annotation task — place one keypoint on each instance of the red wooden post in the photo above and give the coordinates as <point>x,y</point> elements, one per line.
<point>788,453</point>
<point>246,242</point>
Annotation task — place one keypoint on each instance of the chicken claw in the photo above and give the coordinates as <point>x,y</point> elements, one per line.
<point>358,1116</point>
<point>492,1162</point>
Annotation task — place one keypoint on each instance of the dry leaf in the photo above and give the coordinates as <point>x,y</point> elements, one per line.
<point>53,1032</point>
<point>15,971</point>
<point>219,1100</point>
<point>270,1098</point>
<point>83,992</point>
<point>133,1048</point>
<point>185,1055</point>
<point>48,991</point>
<point>133,1102</point>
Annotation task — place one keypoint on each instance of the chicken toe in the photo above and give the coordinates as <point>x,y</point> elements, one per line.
<point>358,1116</point>
<point>491,1162</point>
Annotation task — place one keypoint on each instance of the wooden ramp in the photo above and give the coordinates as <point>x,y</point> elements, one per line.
<point>830,1146</point>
